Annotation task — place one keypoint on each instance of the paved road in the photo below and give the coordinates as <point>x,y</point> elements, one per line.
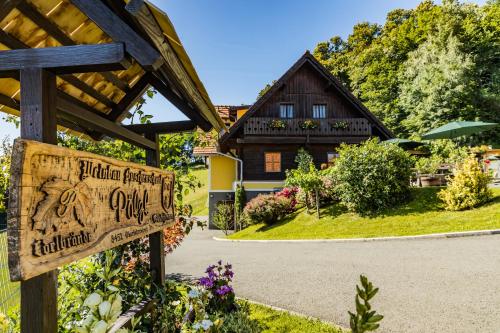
<point>438,285</point>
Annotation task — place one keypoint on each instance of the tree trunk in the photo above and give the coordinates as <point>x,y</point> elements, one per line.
<point>317,203</point>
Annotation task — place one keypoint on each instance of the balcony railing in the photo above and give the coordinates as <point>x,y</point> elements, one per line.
<point>304,127</point>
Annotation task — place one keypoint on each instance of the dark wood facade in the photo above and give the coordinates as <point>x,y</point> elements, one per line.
<point>306,84</point>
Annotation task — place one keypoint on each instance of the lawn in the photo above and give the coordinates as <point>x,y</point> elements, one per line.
<point>422,215</point>
<point>279,321</point>
<point>199,198</point>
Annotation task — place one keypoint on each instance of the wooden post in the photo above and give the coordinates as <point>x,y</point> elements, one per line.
<point>156,240</point>
<point>38,122</point>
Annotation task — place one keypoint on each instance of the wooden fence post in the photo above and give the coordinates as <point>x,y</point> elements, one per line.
<point>38,122</point>
<point>156,240</point>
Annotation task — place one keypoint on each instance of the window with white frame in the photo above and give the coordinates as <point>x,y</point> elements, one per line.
<point>319,111</point>
<point>286,110</point>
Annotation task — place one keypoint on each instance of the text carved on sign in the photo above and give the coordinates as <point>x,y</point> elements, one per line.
<point>66,205</point>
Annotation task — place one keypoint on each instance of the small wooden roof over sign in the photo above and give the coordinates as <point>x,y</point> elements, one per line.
<point>95,102</point>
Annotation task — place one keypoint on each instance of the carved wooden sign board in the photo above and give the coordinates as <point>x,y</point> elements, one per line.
<point>67,204</point>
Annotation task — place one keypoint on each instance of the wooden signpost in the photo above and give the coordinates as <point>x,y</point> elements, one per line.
<point>67,204</point>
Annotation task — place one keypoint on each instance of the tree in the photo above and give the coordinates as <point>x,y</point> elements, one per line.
<point>265,89</point>
<point>437,85</point>
<point>306,177</point>
<point>223,217</point>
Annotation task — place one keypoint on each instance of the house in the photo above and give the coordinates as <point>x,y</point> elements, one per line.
<point>307,107</point>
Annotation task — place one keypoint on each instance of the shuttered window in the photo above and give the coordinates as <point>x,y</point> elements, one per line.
<point>319,111</point>
<point>273,162</point>
<point>286,110</point>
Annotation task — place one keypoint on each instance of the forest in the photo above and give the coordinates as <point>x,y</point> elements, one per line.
<point>424,67</point>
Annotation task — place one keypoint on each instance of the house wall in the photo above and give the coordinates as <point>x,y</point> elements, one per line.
<point>254,160</point>
<point>305,88</point>
<point>222,173</point>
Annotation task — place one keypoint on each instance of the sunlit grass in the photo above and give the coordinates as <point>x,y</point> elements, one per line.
<point>422,215</point>
<point>279,321</point>
<point>199,198</point>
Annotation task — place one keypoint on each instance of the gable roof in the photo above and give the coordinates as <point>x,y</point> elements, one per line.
<point>309,58</point>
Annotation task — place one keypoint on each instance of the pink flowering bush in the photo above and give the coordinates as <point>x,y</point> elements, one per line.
<point>270,208</point>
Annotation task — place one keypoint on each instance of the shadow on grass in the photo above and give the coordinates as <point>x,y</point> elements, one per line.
<point>422,200</point>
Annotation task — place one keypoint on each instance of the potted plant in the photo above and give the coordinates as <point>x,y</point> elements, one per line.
<point>277,124</point>
<point>427,168</point>
<point>308,124</point>
<point>339,125</point>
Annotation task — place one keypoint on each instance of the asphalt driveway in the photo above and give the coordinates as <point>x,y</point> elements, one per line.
<point>434,285</point>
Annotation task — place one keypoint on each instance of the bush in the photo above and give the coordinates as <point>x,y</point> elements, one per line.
<point>372,176</point>
<point>240,321</point>
<point>223,217</point>
<point>267,208</point>
<point>428,165</point>
<point>468,188</point>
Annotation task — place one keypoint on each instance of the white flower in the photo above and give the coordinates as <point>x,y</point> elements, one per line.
<point>92,300</point>
<point>100,327</point>
<point>175,303</point>
<point>206,324</point>
<point>193,293</point>
<point>104,308</point>
<point>196,326</point>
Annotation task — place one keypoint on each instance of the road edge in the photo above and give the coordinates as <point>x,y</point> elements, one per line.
<point>372,239</point>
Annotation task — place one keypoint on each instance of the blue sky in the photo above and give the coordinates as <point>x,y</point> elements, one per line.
<point>239,46</point>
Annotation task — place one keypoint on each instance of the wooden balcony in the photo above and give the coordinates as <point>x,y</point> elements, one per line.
<point>332,127</point>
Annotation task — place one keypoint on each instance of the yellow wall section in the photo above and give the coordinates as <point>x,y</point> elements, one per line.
<point>222,173</point>
<point>240,113</point>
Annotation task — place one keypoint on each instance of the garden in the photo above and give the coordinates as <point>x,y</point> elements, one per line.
<point>371,191</point>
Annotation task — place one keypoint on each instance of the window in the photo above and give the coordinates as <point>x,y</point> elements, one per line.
<point>319,111</point>
<point>273,162</point>
<point>286,110</point>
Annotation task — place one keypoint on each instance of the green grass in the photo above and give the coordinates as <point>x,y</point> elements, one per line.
<point>199,198</point>
<point>279,321</point>
<point>422,215</point>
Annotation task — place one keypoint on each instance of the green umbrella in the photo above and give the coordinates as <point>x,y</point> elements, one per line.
<point>405,143</point>
<point>455,129</point>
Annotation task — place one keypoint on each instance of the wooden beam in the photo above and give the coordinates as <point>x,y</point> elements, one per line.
<point>301,139</point>
<point>67,59</point>
<point>157,239</point>
<point>163,128</point>
<point>10,102</point>
<point>53,30</point>
<point>14,43</point>
<point>137,310</point>
<point>173,68</point>
<point>83,117</point>
<point>181,104</point>
<point>38,122</point>
<point>6,7</point>
<point>118,30</point>
<point>130,99</point>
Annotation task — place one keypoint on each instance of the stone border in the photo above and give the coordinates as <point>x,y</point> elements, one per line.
<point>373,239</point>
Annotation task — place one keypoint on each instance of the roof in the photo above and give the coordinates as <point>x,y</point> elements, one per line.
<point>52,23</point>
<point>308,58</point>
<point>205,151</point>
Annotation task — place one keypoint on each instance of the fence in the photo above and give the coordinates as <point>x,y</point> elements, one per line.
<point>9,291</point>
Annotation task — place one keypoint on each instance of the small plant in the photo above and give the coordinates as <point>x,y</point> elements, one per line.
<point>468,188</point>
<point>308,124</point>
<point>240,198</point>
<point>217,281</point>
<point>223,217</point>
<point>365,319</point>
<point>341,124</point>
<point>277,124</point>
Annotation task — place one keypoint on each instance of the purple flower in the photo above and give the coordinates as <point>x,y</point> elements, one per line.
<point>223,290</point>
<point>210,268</point>
<point>219,262</point>
<point>206,282</point>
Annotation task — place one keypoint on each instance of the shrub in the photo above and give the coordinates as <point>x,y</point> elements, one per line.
<point>267,208</point>
<point>468,188</point>
<point>428,165</point>
<point>372,176</point>
<point>223,217</point>
<point>240,198</point>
